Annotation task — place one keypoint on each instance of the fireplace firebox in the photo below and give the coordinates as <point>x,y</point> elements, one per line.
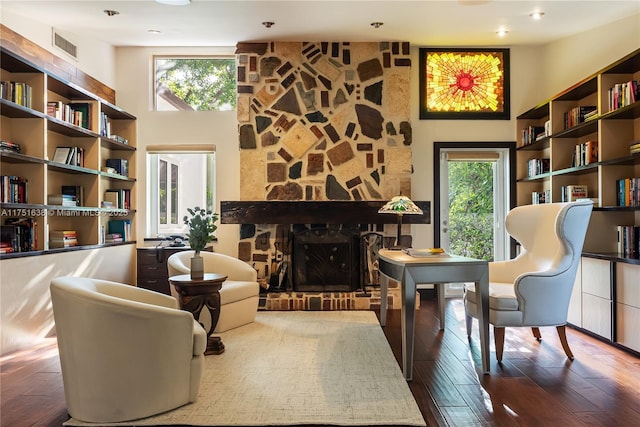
<point>326,260</point>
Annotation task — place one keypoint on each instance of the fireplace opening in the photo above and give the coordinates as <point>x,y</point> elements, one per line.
<point>326,260</point>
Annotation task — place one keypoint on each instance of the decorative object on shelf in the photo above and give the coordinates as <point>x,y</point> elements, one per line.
<point>400,205</point>
<point>201,228</point>
<point>467,83</point>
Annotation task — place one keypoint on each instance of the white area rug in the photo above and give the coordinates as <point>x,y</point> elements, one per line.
<point>300,367</point>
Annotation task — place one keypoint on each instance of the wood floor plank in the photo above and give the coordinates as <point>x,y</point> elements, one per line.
<point>535,385</point>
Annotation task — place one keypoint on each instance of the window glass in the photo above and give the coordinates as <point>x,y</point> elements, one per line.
<point>177,181</point>
<point>195,84</point>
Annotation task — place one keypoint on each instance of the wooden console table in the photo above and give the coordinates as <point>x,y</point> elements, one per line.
<point>436,269</point>
<point>194,295</point>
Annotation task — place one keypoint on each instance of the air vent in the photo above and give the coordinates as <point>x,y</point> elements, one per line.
<point>67,46</point>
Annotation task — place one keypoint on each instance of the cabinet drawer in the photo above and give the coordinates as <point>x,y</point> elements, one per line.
<point>596,277</point>
<point>153,256</point>
<point>155,271</point>
<point>597,315</point>
<point>157,285</point>
<point>628,284</point>
<point>628,319</point>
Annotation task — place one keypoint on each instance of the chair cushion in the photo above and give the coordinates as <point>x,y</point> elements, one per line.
<point>237,290</point>
<point>502,296</point>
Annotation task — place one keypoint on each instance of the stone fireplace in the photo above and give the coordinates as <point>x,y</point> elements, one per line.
<point>318,122</point>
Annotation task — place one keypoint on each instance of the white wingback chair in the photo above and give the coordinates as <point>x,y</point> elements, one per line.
<point>239,294</point>
<point>126,353</point>
<point>534,289</point>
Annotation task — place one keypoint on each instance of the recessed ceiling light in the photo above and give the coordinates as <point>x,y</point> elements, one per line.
<point>502,33</point>
<point>110,12</point>
<point>153,31</point>
<point>174,2</point>
<point>537,15</point>
<point>268,24</point>
<point>377,24</point>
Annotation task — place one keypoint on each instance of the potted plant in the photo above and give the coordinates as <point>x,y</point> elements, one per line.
<point>201,228</point>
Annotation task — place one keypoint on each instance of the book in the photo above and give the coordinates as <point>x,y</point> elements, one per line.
<point>81,114</point>
<point>63,238</point>
<point>62,155</point>
<point>120,226</point>
<point>121,166</point>
<point>571,193</point>
<point>74,193</point>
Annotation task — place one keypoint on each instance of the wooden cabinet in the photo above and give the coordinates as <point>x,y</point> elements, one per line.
<point>152,266</point>
<point>96,132</point>
<point>597,302</point>
<point>628,305</point>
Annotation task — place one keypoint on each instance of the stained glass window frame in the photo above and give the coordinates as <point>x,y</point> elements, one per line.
<point>478,109</point>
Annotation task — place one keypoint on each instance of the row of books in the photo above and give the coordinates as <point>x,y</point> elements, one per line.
<point>531,134</point>
<point>623,94</point>
<point>571,193</point>
<point>10,146</point>
<point>113,238</point>
<point>17,92</point>
<point>18,235</point>
<point>69,155</point>
<point>537,167</point>
<point>63,239</point>
<point>628,191</point>
<point>578,115</point>
<point>634,146</point>
<point>119,198</point>
<point>540,197</point>
<point>70,195</point>
<point>121,227</point>
<point>13,189</point>
<point>120,166</point>
<point>76,113</point>
<point>628,239</point>
<point>585,153</point>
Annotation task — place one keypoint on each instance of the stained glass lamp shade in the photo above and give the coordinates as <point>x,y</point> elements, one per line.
<point>400,205</point>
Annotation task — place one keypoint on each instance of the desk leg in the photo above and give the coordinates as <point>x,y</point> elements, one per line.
<point>483,320</point>
<point>441,303</point>
<point>408,323</point>
<point>384,291</point>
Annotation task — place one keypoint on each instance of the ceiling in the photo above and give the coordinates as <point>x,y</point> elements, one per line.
<point>224,23</point>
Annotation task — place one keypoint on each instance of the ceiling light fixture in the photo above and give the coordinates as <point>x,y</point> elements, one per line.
<point>536,15</point>
<point>174,2</point>
<point>268,24</point>
<point>153,31</point>
<point>110,12</point>
<point>502,33</point>
<point>377,24</point>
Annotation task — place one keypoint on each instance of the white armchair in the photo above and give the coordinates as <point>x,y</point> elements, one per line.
<point>126,353</point>
<point>239,294</point>
<point>534,289</point>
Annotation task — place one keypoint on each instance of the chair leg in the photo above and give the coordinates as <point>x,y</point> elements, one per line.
<point>469,322</point>
<point>536,333</point>
<point>562,333</point>
<point>498,336</point>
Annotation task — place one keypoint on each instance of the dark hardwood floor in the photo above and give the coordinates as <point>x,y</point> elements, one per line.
<point>535,385</point>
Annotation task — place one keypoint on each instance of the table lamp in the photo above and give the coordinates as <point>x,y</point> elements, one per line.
<point>400,205</point>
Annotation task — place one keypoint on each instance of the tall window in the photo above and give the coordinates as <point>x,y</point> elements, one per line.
<point>195,84</point>
<point>177,181</point>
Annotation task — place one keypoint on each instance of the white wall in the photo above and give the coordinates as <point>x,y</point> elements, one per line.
<point>218,128</point>
<point>95,57</point>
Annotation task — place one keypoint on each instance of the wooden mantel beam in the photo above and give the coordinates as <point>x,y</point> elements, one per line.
<point>315,212</point>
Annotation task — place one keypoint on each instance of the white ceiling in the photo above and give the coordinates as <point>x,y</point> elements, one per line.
<point>224,23</point>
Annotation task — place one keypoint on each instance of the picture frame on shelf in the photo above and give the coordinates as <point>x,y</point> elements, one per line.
<point>464,83</point>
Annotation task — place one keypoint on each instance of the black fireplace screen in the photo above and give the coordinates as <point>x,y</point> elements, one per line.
<point>326,260</point>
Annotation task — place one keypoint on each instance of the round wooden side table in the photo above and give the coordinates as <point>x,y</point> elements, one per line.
<point>194,295</point>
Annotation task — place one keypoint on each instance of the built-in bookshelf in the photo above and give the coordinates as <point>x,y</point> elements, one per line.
<point>59,142</point>
<point>590,134</point>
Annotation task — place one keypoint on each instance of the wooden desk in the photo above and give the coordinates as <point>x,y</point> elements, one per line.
<point>194,295</point>
<point>436,269</point>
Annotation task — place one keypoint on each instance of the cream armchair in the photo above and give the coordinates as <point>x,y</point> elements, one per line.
<point>534,288</point>
<point>239,294</point>
<point>126,353</point>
